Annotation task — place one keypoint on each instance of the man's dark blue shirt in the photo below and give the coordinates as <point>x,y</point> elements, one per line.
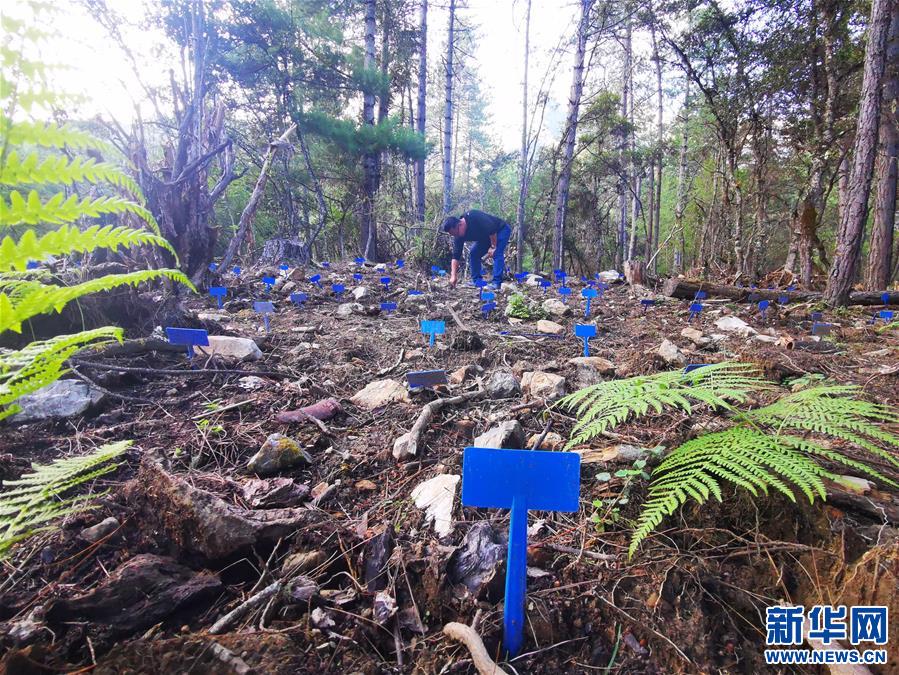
<point>480,226</point>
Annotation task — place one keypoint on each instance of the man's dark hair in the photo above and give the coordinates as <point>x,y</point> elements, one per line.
<point>450,223</point>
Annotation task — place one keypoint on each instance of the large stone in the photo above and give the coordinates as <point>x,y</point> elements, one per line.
<point>271,493</point>
<point>609,276</point>
<point>347,309</point>
<point>552,441</point>
<point>379,393</point>
<point>733,324</point>
<point>240,348</point>
<point>464,373</point>
<point>60,399</point>
<point>540,384</point>
<point>555,307</point>
<point>279,452</point>
<point>503,384</point>
<point>590,370</point>
<point>671,354</point>
<point>550,327</point>
<point>508,434</point>
<point>360,292</point>
<point>695,336</point>
<point>533,280</point>
<point>100,530</point>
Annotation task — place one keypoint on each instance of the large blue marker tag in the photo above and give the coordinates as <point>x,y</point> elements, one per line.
<point>236,271</point>
<point>763,307</point>
<point>695,309</point>
<point>432,329</point>
<point>284,267</point>
<point>359,261</point>
<point>585,331</point>
<point>338,289</point>
<point>434,270</point>
<point>521,276</point>
<point>316,279</point>
<point>386,282</point>
<point>418,379</point>
<point>265,308</point>
<point>298,298</point>
<point>189,337</point>
<point>564,291</point>
<point>589,294</point>
<point>213,267</point>
<point>357,277</point>
<point>388,306</point>
<point>219,293</point>
<point>544,284</point>
<point>269,282</point>
<point>519,480</point>
<point>885,314</point>
<point>885,298</point>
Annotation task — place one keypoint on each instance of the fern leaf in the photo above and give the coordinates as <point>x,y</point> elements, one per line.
<point>31,210</point>
<point>60,170</point>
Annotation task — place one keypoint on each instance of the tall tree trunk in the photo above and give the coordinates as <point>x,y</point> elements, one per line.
<point>852,222</point>
<point>660,154</point>
<point>624,142</point>
<point>420,122</point>
<point>574,102</point>
<point>249,212</point>
<point>681,203</point>
<point>523,161</point>
<point>877,274</point>
<point>448,114</point>
<point>369,231</point>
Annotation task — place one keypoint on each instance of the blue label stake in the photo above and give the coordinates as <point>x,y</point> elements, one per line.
<point>433,329</point>
<point>519,480</point>
<point>521,276</point>
<point>386,282</point>
<point>564,291</point>
<point>585,331</point>
<point>420,379</point>
<point>213,267</point>
<point>338,289</point>
<point>269,282</point>
<point>822,328</point>
<point>695,309</point>
<point>763,307</point>
<point>544,284</point>
<point>264,308</point>
<point>317,280</point>
<point>700,295</point>
<point>885,314</point>
<point>647,304</point>
<point>783,299</point>
<point>284,267</point>
<point>602,287</point>
<point>400,263</point>
<point>189,337</point>
<point>885,298</point>
<point>219,293</point>
<point>694,366</point>
<point>326,264</point>
<point>298,298</point>
<point>32,265</point>
<point>357,277</point>
<point>236,271</point>
<point>415,292</point>
<point>359,261</point>
<point>816,316</point>
<point>588,293</point>
<point>388,306</point>
<point>434,270</point>
<point>487,308</point>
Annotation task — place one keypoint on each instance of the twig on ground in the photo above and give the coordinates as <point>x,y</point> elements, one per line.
<point>468,637</point>
<point>175,371</point>
<point>244,608</point>
<point>399,360</point>
<point>232,406</point>
<point>407,444</point>
<point>230,659</point>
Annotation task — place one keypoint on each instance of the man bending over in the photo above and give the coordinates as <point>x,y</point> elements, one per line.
<point>490,236</point>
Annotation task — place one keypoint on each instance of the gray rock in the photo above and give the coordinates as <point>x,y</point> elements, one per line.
<point>733,324</point>
<point>503,384</point>
<point>347,309</point>
<point>278,453</point>
<point>555,307</point>
<point>242,349</point>
<point>695,336</point>
<point>671,354</point>
<point>381,392</point>
<point>540,384</point>
<point>590,370</point>
<point>288,287</point>
<point>360,292</point>
<point>550,327</point>
<point>508,434</point>
<point>60,399</point>
<point>100,530</point>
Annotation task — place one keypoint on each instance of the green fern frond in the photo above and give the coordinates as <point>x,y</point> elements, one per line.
<point>38,498</point>
<point>40,363</point>
<point>60,170</point>
<point>33,300</point>
<point>608,404</point>
<point>49,135</point>
<point>58,209</point>
<point>69,239</point>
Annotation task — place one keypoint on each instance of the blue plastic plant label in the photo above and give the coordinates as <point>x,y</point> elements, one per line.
<point>544,284</point>
<point>213,267</point>
<point>338,289</point>
<point>357,277</point>
<point>189,337</point>
<point>885,298</point>
<point>487,308</point>
<point>386,282</point>
<point>263,307</point>
<point>822,328</point>
<point>284,267</point>
<point>298,298</point>
<point>589,293</point>
<point>564,291</point>
<point>585,331</point>
<point>521,276</point>
<point>885,315</point>
<point>433,329</point>
<point>400,263</point>
<point>316,279</point>
<point>488,296</point>
<point>700,295</point>
<point>413,291</point>
<point>359,261</point>
<point>763,306</point>
<point>326,264</point>
<point>816,316</point>
<point>219,293</point>
<point>269,282</point>
<point>694,366</point>
<point>783,299</point>
<point>236,271</point>
<point>520,480</point>
<point>647,303</point>
<point>695,309</point>
<point>388,307</point>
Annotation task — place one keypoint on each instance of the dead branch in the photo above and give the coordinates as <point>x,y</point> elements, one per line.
<point>244,608</point>
<point>407,444</point>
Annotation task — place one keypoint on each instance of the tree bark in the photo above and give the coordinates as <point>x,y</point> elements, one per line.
<point>422,108</point>
<point>660,154</point>
<point>877,274</point>
<point>523,161</point>
<point>624,181</point>
<point>249,212</point>
<point>681,203</point>
<point>368,230</point>
<point>685,289</point>
<point>852,222</point>
<point>574,102</point>
<point>448,114</point>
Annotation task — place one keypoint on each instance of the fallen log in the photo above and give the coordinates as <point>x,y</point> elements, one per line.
<point>686,289</point>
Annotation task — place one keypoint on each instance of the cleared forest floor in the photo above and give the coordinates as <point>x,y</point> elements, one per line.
<point>363,582</point>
